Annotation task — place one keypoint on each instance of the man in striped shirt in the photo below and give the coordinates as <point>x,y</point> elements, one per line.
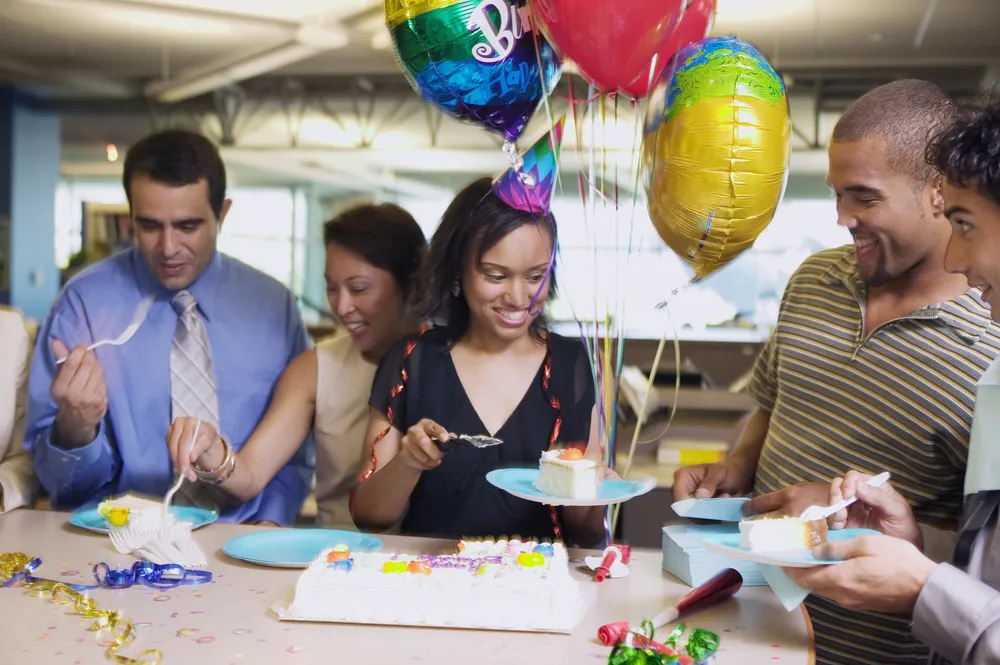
<point>875,358</point>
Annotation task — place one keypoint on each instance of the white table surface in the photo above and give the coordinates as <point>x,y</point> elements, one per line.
<point>229,622</point>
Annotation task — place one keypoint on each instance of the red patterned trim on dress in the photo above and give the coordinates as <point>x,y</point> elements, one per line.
<point>393,394</point>
<point>556,428</point>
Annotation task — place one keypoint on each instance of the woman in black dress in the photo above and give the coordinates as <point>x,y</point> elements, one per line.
<point>491,367</point>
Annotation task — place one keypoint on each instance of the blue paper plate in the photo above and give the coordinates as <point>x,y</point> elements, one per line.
<point>295,548</point>
<point>728,509</point>
<point>521,483</point>
<point>90,519</point>
<point>729,545</point>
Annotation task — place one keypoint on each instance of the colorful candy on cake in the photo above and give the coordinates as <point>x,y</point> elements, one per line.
<point>567,474</point>
<point>777,532</point>
<point>486,584</point>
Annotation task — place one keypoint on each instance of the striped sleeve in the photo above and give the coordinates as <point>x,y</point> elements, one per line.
<point>764,379</point>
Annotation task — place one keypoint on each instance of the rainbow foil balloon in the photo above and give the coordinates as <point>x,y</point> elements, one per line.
<point>715,151</point>
<point>474,59</point>
<point>529,188</point>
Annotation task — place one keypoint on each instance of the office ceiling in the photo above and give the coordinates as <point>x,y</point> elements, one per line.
<point>124,47</point>
<point>121,67</point>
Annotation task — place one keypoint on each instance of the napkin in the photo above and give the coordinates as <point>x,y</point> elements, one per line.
<point>685,556</point>
<point>983,470</point>
<point>788,592</point>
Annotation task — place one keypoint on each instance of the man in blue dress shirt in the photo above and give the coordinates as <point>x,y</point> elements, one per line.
<point>216,338</point>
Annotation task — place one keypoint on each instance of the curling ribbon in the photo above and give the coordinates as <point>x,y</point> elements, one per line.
<point>16,569</point>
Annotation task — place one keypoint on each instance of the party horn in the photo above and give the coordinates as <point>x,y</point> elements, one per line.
<point>611,554</point>
<point>717,589</point>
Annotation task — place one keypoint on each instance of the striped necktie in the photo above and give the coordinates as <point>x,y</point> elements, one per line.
<point>193,389</point>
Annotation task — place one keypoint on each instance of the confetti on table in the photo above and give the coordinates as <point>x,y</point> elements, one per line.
<point>205,640</point>
<point>197,612</point>
<point>69,573</point>
<point>161,599</point>
<point>144,624</point>
<point>242,631</point>
<point>295,649</point>
<point>186,631</point>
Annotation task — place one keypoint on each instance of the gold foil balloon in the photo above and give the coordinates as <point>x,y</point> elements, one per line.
<point>715,151</point>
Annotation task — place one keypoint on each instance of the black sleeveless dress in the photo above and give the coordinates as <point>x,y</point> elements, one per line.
<point>455,500</point>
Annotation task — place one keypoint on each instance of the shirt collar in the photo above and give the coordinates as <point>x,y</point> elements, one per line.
<point>967,314</point>
<point>204,289</point>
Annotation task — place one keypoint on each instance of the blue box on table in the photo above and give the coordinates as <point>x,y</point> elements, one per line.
<point>685,557</point>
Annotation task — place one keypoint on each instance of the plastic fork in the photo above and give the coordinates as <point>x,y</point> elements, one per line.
<point>813,513</point>
<point>138,317</point>
<point>180,476</point>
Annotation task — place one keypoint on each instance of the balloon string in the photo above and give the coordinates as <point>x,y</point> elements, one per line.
<point>641,416</point>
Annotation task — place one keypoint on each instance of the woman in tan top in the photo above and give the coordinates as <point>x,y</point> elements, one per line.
<point>373,254</point>
<point>18,484</point>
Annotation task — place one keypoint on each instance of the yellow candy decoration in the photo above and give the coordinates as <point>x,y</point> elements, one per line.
<point>118,516</point>
<point>715,151</point>
<point>394,567</point>
<point>530,559</point>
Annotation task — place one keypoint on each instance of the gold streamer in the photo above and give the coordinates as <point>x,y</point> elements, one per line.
<point>122,628</point>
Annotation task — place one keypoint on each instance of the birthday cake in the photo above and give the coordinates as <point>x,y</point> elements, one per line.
<point>567,474</point>
<point>772,532</point>
<point>485,584</point>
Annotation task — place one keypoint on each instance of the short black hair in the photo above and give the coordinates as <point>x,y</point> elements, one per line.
<point>177,157</point>
<point>475,221</point>
<point>386,236</point>
<point>905,114</point>
<point>968,152</point>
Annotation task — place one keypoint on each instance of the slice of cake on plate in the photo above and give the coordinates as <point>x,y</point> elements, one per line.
<point>775,532</point>
<point>567,474</point>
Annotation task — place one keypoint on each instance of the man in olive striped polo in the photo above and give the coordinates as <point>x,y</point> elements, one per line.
<point>874,361</point>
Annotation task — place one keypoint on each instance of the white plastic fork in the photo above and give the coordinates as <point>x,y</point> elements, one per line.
<point>138,317</point>
<point>813,513</point>
<point>180,477</point>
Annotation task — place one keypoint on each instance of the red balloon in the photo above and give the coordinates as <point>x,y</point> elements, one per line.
<point>611,41</point>
<point>694,26</point>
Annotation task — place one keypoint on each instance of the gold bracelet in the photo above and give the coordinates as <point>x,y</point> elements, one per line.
<point>221,473</point>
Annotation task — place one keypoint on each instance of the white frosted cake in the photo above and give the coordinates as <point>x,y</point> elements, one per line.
<point>493,585</point>
<point>779,533</point>
<point>567,474</point>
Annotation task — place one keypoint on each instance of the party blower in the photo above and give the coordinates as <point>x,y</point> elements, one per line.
<point>717,589</point>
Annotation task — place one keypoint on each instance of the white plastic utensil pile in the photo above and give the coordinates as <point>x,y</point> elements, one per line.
<point>155,536</point>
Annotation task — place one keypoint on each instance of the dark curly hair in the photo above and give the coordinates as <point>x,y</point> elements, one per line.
<point>968,152</point>
<point>386,236</point>
<point>475,221</point>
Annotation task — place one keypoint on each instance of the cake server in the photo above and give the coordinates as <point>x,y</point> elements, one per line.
<point>813,513</point>
<point>470,440</point>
